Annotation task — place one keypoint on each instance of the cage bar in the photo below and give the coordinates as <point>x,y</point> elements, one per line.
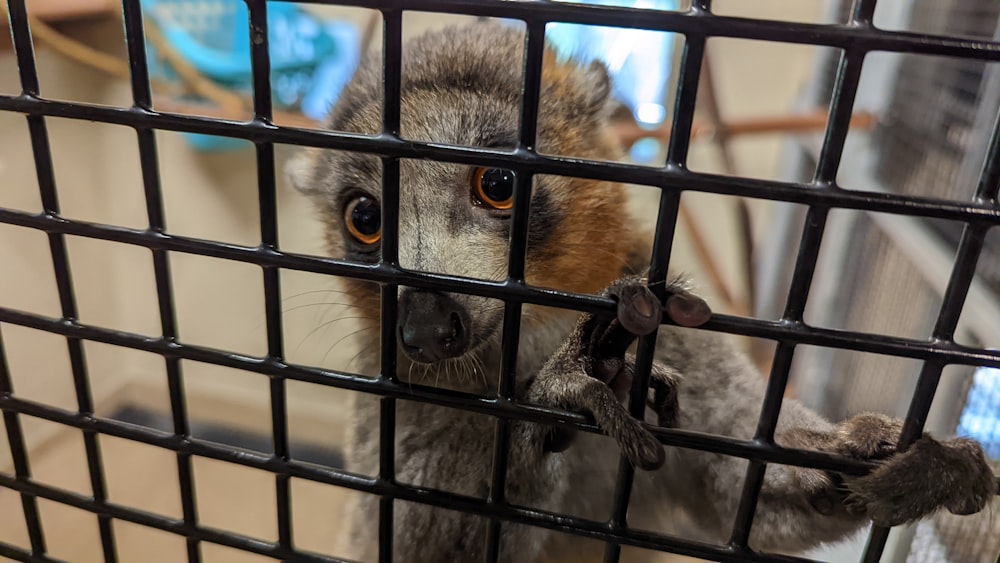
<point>22,470</point>
<point>790,192</point>
<point>666,223</point>
<point>534,48</point>
<point>149,163</point>
<point>60,262</point>
<point>855,38</point>
<point>267,196</point>
<point>392,41</point>
<point>969,250</point>
<point>841,106</point>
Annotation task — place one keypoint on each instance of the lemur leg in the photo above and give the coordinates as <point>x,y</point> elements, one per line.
<point>929,475</point>
<point>591,372</point>
<point>800,508</point>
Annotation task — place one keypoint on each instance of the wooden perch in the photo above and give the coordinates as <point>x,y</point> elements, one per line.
<point>64,10</point>
<point>630,132</point>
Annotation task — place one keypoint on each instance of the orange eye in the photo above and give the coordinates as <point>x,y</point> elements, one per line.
<point>363,218</point>
<point>493,187</point>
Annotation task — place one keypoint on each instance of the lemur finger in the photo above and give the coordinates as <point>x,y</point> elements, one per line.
<point>688,310</point>
<point>868,436</point>
<point>607,339</point>
<point>665,402</point>
<point>639,311</point>
<point>641,448</point>
<point>618,373</point>
<point>621,383</point>
<point>663,383</point>
<point>663,398</point>
<point>682,306</point>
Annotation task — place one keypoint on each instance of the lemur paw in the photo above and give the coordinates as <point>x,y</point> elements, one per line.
<point>929,475</point>
<point>604,341</point>
<point>905,486</point>
<point>868,436</point>
<point>599,345</point>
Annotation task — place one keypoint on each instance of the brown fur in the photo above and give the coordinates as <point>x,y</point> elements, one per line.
<point>603,228</point>
<point>563,262</point>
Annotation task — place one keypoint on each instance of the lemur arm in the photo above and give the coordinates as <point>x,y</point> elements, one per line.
<point>799,508</point>
<point>701,383</point>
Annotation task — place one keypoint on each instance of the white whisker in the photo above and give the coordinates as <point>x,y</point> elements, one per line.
<point>345,337</point>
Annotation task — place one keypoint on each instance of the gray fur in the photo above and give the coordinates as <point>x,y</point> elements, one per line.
<point>463,86</point>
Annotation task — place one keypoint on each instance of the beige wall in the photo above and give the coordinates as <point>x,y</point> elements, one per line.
<point>218,303</point>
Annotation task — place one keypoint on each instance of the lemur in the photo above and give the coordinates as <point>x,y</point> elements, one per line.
<point>463,86</point>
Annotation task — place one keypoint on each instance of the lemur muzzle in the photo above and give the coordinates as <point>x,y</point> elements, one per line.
<point>432,326</point>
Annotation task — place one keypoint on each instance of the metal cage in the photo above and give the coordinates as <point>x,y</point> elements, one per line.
<point>854,38</point>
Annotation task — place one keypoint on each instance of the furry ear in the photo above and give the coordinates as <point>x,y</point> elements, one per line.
<point>301,170</point>
<point>575,90</point>
<point>597,88</point>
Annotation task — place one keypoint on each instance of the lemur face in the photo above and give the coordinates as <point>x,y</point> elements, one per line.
<point>463,87</point>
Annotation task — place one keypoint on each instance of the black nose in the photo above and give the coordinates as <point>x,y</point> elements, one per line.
<point>432,326</point>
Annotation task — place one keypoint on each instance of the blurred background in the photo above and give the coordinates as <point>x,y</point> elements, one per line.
<point>921,126</point>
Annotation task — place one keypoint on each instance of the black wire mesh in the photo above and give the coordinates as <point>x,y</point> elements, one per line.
<point>856,38</point>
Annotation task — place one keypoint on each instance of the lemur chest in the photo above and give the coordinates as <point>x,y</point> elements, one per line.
<point>444,448</point>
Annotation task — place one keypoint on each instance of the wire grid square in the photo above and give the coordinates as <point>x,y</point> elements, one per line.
<point>856,38</point>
